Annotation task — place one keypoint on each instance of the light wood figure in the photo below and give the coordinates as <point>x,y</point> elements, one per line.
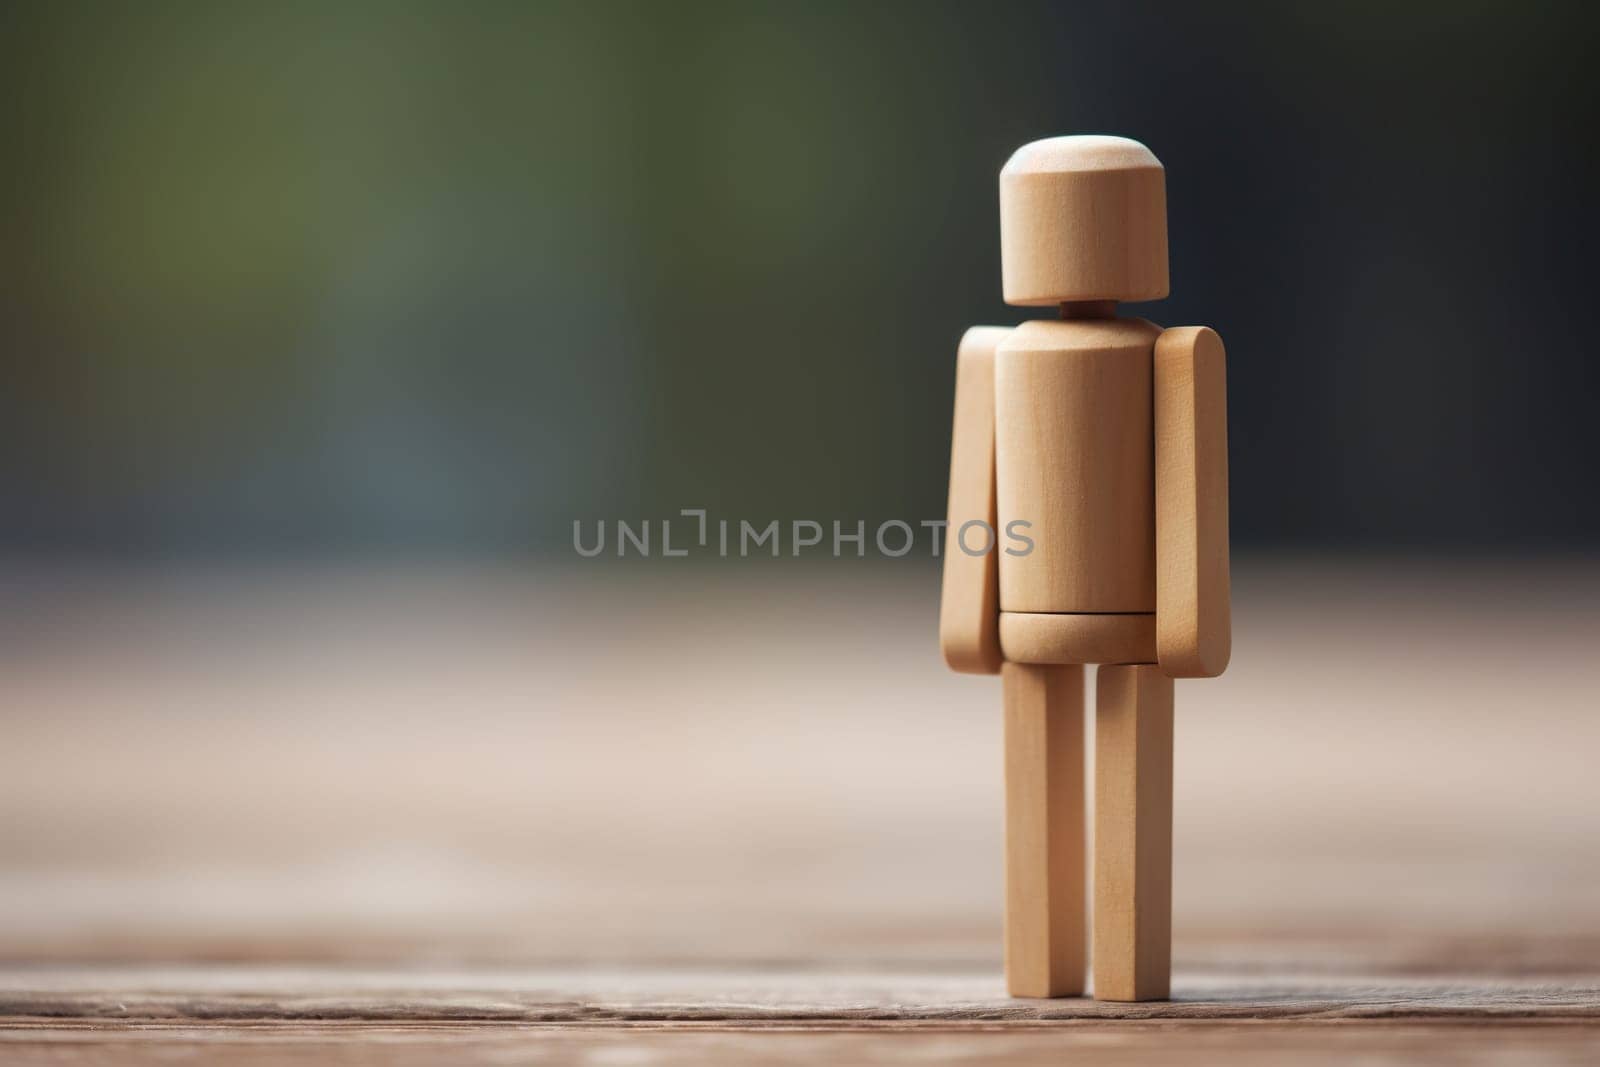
<point>1095,448</point>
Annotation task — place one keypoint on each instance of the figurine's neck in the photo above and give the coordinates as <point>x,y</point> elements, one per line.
<point>1089,309</point>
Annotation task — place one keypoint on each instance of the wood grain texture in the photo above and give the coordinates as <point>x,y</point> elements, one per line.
<point>240,995</point>
<point>1045,933</point>
<point>356,815</point>
<point>1193,598</point>
<point>1133,834</point>
<point>969,607</point>
<point>959,1043</point>
<point>1083,218</point>
<point>1039,638</point>
<point>1073,457</point>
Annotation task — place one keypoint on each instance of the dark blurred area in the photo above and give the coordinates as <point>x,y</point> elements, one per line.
<point>303,279</point>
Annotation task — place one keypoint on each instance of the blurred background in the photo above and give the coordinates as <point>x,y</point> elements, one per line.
<point>292,279</point>
<point>319,326</point>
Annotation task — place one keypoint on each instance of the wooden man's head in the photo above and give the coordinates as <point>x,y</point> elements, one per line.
<point>1083,218</point>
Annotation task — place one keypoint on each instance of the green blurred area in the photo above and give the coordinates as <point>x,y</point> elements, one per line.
<point>355,277</point>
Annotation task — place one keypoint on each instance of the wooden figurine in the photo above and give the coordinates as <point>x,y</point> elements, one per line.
<point>1094,448</point>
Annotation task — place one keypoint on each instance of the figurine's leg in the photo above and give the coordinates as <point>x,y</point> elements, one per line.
<point>1045,932</point>
<point>1133,834</point>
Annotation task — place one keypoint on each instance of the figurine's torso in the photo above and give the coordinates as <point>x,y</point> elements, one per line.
<point>1074,445</point>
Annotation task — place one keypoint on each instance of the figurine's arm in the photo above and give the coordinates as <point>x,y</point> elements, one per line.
<point>1193,619</point>
<point>969,609</point>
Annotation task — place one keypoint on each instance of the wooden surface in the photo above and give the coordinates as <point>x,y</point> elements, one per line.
<point>256,1015</point>
<point>1132,833</point>
<point>1193,616</point>
<point>358,814</point>
<point>1046,936</point>
<point>1514,1044</point>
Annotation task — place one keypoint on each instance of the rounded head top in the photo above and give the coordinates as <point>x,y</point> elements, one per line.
<point>1086,151</point>
<point>1083,218</point>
